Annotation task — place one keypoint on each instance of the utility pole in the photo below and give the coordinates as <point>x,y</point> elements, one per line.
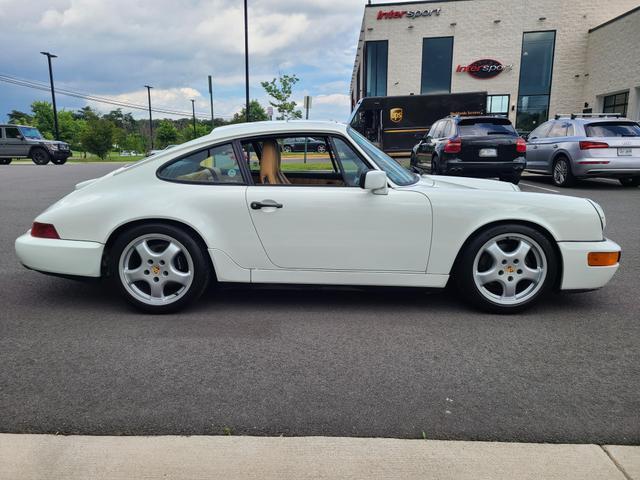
<point>150,119</point>
<point>211,100</point>
<point>246,59</point>
<point>193,109</point>
<point>53,94</point>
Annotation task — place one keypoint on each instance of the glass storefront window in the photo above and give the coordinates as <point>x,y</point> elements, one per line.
<point>616,103</point>
<point>536,68</point>
<point>437,58</point>
<point>498,104</point>
<point>376,53</point>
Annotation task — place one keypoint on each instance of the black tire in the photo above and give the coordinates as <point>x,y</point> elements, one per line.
<point>513,178</point>
<point>465,270</point>
<point>5,161</point>
<point>435,167</point>
<point>629,181</point>
<point>202,269</point>
<point>563,178</point>
<point>40,156</point>
<point>58,161</point>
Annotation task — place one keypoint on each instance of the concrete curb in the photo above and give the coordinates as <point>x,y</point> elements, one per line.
<point>199,457</point>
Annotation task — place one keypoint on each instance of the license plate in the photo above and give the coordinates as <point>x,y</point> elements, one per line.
<point>488,152</point>
<point>624,152</point>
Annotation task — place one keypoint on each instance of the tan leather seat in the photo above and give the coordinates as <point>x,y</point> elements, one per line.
<point>270,173</point>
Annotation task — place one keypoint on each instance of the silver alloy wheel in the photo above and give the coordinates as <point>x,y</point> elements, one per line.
<point>321,148</point>
<point>560,171</point>
<point>156,269</point>
<point>510,269</point>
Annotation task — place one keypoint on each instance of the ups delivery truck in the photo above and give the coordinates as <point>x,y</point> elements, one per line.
<point>396,124</point>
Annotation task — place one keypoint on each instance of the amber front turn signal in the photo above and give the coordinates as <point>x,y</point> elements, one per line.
<point>603,259</point>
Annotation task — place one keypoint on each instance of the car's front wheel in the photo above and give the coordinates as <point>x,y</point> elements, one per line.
<point>629,181</point>
<point>5,161</point>
<point>506,268</point>
<point>159,268</point>
<point>58,161</point>
<point>321,149</point>
<point>40,156</point>
<point>286,149</point>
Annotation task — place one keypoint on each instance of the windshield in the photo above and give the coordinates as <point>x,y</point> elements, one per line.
<point>480,128</point>
<point>612,129</point>
<point>30,132</point>
<point>396,172</point>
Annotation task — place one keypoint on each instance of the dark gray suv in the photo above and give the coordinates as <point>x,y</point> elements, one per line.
<point>20,141</point>
<point>586,146</point>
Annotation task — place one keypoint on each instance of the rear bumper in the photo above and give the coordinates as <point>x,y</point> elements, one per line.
<point>606,167</point>
<point>63,257</point>
<point>577,274</point>
<point>455,166</point>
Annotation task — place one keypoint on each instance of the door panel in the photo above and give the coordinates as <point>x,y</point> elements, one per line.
<point>342,228</point>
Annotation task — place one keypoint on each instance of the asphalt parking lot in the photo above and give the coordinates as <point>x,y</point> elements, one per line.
<point>316,361</point>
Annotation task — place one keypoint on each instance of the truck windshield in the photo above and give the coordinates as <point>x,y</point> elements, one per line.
<point>30,132</point>
<point>480,127</point>
<point>612,129</point>
<point>396,172</point>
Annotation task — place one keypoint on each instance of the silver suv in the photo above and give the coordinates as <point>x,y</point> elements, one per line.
<point>585,146</point>
<point>20,141</point>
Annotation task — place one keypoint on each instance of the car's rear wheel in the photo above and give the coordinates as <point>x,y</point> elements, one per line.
<point>5,161</point>
<point>286,148</point>
<point>562,174</point>
<point>40,156</point>
<point>629,181</point>
<point>512,178</point>
<point>321,149</point>
<point>434,166</point>
<point>506,268</point>
<point>159,268</point>
<point>58,161</point>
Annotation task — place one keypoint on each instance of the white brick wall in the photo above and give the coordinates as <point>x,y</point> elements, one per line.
<point>476,36</point>
<point>613,63</point>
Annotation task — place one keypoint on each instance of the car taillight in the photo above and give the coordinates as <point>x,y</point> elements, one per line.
<point>453,145</point>
<point>521,145</point>
<point>44,230</point>
<point>587,145</point>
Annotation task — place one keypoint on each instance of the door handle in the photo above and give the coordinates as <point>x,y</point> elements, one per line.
<point>264,204</point>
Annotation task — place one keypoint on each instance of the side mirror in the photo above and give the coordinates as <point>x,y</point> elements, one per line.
<point>374,180</point>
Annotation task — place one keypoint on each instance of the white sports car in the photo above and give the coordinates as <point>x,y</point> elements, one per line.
<point>232,207</point>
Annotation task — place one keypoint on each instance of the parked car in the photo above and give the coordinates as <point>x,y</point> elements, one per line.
<point>217,217</point>
<point>586,146</point>
<point>297,144</point>
<point>482,146</point>
<point>21,141</point>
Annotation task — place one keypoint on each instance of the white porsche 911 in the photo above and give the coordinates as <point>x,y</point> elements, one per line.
<point>233,207</point>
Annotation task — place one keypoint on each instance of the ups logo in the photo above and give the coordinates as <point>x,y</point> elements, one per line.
<point>396,114</point>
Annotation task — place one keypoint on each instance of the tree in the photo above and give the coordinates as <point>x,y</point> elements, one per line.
<point>166,133</point>
<point>280,91</point>
<point>257,113</point>
<point>17,117</point>
<point>43,118</point>
<point>98,137</point>
<point>202,129</point>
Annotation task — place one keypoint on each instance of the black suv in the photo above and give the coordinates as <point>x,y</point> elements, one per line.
<point>20,141</point>
<point>471,146</point>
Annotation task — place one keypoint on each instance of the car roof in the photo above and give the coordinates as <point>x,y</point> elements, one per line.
<point>273,127</point>
<point>14,125</point>
<point>595,119</point>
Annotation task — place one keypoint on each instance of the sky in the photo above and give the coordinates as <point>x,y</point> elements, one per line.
<point>113,48</point>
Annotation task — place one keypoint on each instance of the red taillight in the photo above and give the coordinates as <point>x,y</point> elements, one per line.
<point>587,145</point>
<point>453,145</point>
<point>521,145</point>
<point>44,230</point>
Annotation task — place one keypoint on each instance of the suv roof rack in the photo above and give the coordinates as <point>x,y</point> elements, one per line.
<point>573,116</point>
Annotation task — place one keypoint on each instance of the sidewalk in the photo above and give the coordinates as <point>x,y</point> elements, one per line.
<point>198,457</point>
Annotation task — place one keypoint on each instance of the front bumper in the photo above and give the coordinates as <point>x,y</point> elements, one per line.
<point>455,166</point>
<point>576,272</point>
<point>60,154</point>
<point>63,257</point>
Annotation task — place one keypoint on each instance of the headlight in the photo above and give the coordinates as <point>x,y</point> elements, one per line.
<point>603,219</point>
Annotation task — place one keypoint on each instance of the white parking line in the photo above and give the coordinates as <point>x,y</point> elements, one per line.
<point>541,188</point>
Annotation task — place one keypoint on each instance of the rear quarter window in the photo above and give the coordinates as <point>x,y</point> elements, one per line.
<point>612,129</point>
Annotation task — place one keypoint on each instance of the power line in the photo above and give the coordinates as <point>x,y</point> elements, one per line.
<point>96,98</point>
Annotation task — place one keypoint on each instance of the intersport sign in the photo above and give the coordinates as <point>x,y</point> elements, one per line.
<point>393,14</point>
<point>484,69</point>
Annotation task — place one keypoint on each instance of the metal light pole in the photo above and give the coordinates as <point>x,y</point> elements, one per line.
<point>53,94</point>
<point>211,100</point>
<point>150,119</point>
<point>193,109</point>
<point>246,59</point>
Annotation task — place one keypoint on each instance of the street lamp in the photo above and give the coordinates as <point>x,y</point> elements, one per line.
<point>150,119</point>
<point>246,60</point>
<point>193,109</point>
<point>53,94</point>
<point>211,100</point>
